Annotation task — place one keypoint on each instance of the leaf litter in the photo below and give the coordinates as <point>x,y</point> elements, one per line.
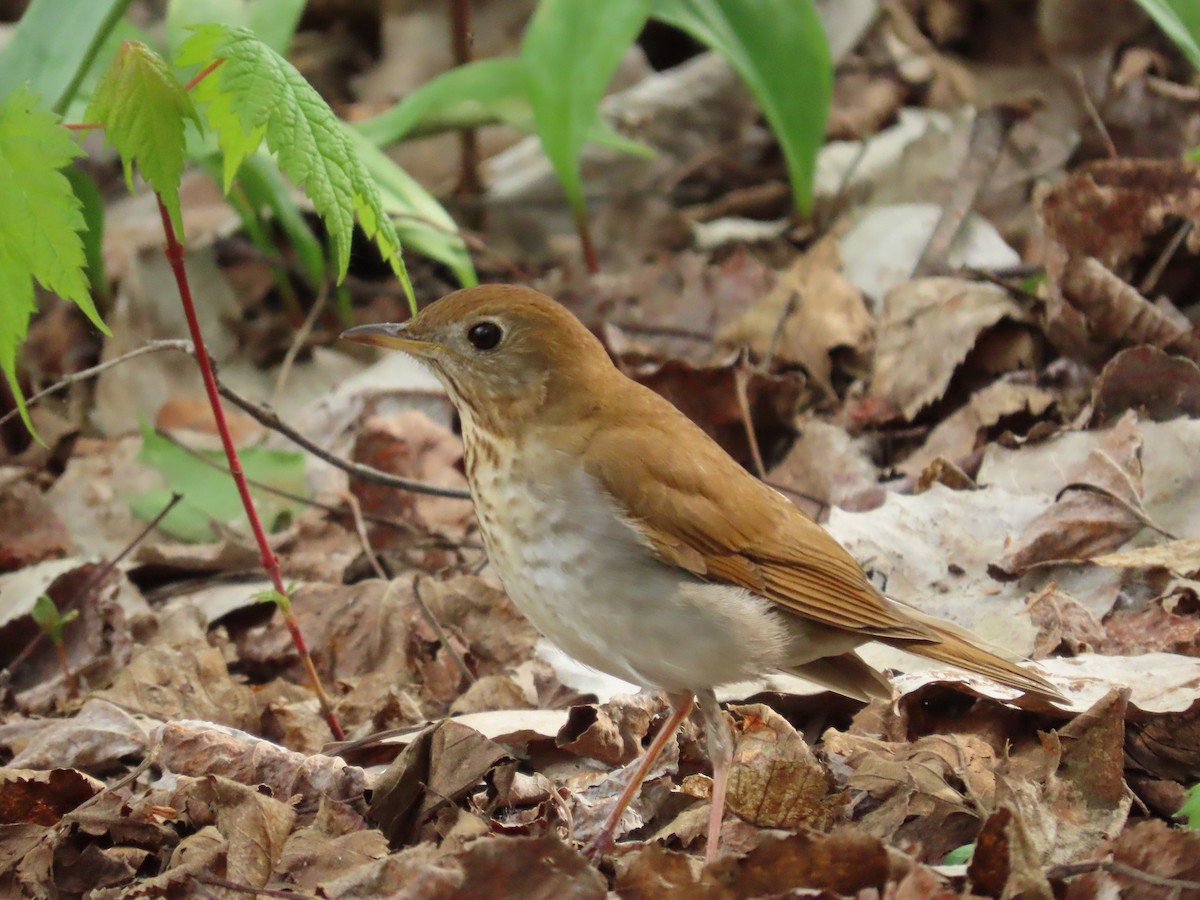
<point>992,403</point>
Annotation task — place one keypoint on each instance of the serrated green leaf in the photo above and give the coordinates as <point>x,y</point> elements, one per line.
<point>779,49</point>
<point>143,107</point>
<point>256,94</point>
<point>571,50</point>
<point>47,57</point>
<point>266,187</point>
<point>421,220</point>
<point>1180,20</point>
<point>209,494</point>
<point>40,225</point>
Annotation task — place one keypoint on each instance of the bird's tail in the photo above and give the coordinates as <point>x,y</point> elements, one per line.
<point>958,647</point>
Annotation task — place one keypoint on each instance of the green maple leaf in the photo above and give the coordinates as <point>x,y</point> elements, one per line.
<point>143,107</point>
<point>40,225</point>
<point>256,95</point>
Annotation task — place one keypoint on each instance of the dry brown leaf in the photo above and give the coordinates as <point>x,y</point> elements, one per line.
<point>776,780</point>
<point>1064,625</point>
<point>254,825</point>
<point>197,748</point>
<point>439,767</point>
<point>42,798</point>
<point>1181,557</point>
<point>29,530</point>
<point>843,862</point>
<point>611,732</point>
<point>964,430</point>
<point>926,331</point>
<point>1004,863</point>
<point>827,467</point>
<point>914,786</point>
<point>1070,793</point>
<point>95,739</point>
<point>337,841</point>
<point>1083,523</point>
<point>1156,848</point>
<point>1157,385</point>
<point>811,313</point>
<point>179,676</point>
<point>1100,221</point>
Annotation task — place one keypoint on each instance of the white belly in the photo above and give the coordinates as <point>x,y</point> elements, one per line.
<point>586,581</point>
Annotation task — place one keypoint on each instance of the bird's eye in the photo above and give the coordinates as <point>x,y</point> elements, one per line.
<point>484,335</point>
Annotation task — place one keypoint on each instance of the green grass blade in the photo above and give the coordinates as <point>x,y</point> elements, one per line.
<point>779,49</point>
<point>571,50</point>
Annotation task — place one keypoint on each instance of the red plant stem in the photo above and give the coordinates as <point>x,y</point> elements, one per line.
<point>268,559</point>
<point>202,74</point>
<point>585,241</point>
<point>83,126</point>
<point>72,684</point>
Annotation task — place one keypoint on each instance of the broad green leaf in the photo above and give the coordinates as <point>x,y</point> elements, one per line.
<point>779,49</point>
<point>571,50</point>
<point>1191,807</point>
<point>256,94</point>
<point>40,225</point>
<point>209,494</point>
<point>143,107</point>
<point>419,218</point>
<point>1180,19</point>
<point>273,21</point>
<point>480,93</point>
<point>54,44</point>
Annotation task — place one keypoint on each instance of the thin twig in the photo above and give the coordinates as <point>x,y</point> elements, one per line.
<point>287,894</point>
<point>360,528</point>
<point>442,637</point>
<point>270,562</point>
<point>1094,114</point>
<point>741,375</point>
<point>441,543</point>
<point>1114,867</point>
<point>93,371</point>
<point>1150,282</point>
<point>263,416</point>
<point>302,333</point>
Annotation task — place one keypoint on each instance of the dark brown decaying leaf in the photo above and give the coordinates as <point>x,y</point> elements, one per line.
<point>42,798</point>
<point>29,530</point>
<point>1004,863</point>
<point>1151,381</point>
<point>1099,222</point>
<point>338,840</point>
<point>1064,624</point>
<point>611,732</point>
<point>435,770</point>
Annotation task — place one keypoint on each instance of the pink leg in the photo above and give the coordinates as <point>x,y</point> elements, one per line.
<point>720,751</point>
<point>681,705</point>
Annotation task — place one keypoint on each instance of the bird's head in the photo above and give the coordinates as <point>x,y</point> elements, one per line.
<point>506,354</point>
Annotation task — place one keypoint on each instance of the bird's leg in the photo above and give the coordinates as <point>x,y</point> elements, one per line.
<point>720,751</point>
<point>681,705</point>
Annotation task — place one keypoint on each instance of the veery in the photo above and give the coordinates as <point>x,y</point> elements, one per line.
<point>639,546</point>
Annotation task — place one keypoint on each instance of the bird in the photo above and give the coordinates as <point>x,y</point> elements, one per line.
<point>634,542</point>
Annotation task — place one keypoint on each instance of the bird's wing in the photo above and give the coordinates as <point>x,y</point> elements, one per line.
<point>701,511</point>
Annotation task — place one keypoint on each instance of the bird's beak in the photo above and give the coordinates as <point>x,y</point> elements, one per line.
<point>388,335</point>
